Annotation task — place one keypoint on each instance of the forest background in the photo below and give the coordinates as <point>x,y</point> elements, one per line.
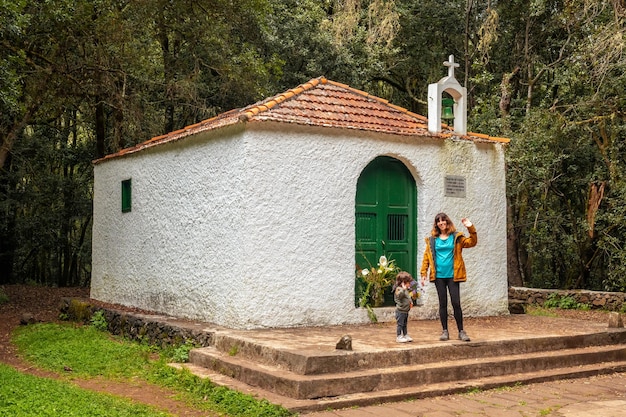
<point>80,79</point>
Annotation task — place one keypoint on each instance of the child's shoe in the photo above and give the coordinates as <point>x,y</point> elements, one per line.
<point>401,339</point>
<point>408,338</point>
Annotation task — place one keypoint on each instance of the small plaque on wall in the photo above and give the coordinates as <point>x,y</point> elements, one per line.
<point>454,186</point>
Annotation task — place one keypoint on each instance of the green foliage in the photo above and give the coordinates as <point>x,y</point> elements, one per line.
<point>236,404</point>
<point>179,353</point>
<point>564,302</point>
<point>233,351</point>
<point>91,353</point>
<point>540,311</point>
<point>378,279</point>
<point>364,302</point>
<point>79,80</point>
<point>474,391</point>
<point>568,303</point>
<point>84,349</point>
<point>98,321</point>
<point>79,311</point>
<point>371,314</point>
<point>611,242</point>
<point>3,297</point>
<point>29,396</point>
<point>568,148</point>
<point>552,301</point>
<point>551,230</point>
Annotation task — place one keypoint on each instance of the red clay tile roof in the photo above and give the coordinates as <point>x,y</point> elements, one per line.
<point>318,102</point>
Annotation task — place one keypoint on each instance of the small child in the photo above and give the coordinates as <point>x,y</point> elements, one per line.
<point>402,297</point>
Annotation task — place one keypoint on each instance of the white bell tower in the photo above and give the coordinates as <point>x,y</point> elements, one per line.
<point>451,86</point>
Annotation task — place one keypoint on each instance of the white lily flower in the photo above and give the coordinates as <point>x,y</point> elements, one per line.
<point>382,261</point>
<point>365,272</point>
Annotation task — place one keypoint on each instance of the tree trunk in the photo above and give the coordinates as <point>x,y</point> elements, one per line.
<point>100,129</point>
<point>7,229</point>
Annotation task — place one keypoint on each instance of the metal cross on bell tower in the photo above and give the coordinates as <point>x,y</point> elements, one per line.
<point>452,110</point>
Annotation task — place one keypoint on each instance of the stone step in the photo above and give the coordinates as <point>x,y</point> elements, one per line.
<point>362,399</point>
<point>307,362</point>
<point>283,381</point>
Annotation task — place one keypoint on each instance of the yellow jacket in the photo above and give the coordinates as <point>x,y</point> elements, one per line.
<point>460,242</point>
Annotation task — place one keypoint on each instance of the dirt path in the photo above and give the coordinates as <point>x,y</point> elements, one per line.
<point>43,304</point>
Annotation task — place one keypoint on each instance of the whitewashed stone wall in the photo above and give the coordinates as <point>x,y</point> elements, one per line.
<point>252,228</point>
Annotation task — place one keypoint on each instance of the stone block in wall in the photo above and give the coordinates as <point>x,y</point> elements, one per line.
<point>615,320</point>
<point>517,306</point>
<point>599,302</point>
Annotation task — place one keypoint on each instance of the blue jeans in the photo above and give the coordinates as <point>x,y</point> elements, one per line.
<point>402,318</point>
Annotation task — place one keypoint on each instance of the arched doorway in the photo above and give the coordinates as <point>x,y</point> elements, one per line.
<point>386,201</point>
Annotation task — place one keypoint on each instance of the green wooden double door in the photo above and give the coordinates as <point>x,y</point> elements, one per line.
<point>386,200</point>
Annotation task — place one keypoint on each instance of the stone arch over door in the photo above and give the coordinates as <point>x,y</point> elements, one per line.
<point>386,224</point>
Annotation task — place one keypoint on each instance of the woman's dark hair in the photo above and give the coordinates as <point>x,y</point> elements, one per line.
<point>450,226</point>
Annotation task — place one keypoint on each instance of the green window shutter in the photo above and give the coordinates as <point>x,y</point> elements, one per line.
<point>126,196</point>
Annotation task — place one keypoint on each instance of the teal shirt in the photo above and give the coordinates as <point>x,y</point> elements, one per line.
<point>444,251</point>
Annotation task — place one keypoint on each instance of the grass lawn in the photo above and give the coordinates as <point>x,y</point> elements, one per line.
<point>91,353</point>
<point>24,395</point>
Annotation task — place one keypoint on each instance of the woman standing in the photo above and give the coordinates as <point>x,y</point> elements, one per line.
<point>443,256</point>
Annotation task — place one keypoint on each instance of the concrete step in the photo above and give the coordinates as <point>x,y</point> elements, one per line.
<point>362,399</point>
<point>413,372</point>
<point>317,362</point>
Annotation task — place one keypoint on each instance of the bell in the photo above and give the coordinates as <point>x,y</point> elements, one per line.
<point>447,112</point>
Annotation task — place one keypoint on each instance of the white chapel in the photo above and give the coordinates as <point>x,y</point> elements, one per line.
<point>256,218</point>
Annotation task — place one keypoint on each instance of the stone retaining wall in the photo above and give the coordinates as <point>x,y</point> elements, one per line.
<point>166,331</point>
<point>611,301</point>
<point>154,329</point>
